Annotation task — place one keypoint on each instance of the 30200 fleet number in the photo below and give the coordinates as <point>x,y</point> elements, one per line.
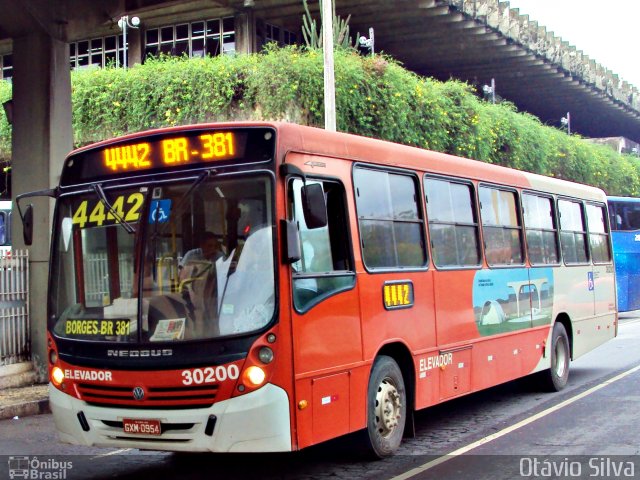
<point>199,376</point>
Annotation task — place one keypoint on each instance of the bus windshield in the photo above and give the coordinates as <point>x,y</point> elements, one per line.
<point>195,262</point>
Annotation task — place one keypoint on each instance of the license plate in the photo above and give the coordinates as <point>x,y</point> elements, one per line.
<point>141,426</point>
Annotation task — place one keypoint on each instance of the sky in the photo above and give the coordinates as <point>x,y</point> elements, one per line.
<point>607,31</point>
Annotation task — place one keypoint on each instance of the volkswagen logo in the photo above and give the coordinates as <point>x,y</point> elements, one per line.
<point>138,393</point>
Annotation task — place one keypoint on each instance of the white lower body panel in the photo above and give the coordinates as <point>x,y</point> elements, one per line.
<point>255,422</point>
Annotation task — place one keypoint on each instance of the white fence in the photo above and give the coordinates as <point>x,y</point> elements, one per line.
<point>96,272</point>
<point>15,343</point>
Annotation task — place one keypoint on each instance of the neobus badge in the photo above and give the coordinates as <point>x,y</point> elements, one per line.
<point>397,295</point>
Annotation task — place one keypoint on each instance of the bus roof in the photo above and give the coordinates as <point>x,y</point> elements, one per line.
<point>317,141</point>
<point>369,150</point>
<point>612,198</point>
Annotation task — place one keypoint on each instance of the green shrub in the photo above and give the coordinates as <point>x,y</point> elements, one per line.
<point>5,128</point>
<point>375,97</point>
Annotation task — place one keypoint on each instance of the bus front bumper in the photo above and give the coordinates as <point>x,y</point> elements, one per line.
<point>255,422</point>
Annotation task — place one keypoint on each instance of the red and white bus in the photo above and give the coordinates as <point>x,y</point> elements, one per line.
<point>253,287</point>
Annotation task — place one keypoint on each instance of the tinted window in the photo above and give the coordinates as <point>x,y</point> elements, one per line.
<point>541,229</point>
<point>573,233</point>
<point>598,235</point>
<point>453,227</point>
<point>3,233</point>
<point>501,227</point>
<point>624,216</point>
<point>391,226</point>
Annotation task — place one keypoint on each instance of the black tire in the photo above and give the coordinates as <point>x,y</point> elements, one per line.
<point>386,408</point>
<point>555,378</point>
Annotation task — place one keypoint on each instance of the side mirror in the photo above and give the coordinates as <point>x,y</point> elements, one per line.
<point>314,206</point>
<point>291,250</point>
<point>27,225</point>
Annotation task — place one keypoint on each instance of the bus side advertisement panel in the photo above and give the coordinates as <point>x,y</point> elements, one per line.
<point>454,306</point>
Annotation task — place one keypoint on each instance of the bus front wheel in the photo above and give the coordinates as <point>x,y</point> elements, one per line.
<point>386,407</point>
<point>555,379</point>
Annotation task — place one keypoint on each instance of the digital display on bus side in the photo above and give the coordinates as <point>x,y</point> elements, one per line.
<point>159,152</point>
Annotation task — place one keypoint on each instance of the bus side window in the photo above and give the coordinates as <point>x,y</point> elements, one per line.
<point>501,227</point>
<point>390,219</point>
<point>633,220</point>
<point>541,229</point>
<point>598,234</point>
<point>453,224</point>
<point>326,267</point>
<point>573,232</point>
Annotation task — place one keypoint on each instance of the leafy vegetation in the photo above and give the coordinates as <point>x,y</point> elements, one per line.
<point>5,128</point>
<point>375,97</point>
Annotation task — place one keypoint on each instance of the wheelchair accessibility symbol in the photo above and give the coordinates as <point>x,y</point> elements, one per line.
<point>159,211</point>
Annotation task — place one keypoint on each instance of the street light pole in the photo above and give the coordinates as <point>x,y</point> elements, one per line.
<point>124,23</point>
<point>566,122</point>
<point>329,75</point>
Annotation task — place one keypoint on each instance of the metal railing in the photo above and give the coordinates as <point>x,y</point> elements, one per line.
<point>15,344</point>
<point>96,273</point>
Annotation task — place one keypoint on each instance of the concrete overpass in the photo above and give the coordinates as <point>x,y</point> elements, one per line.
<point>474,40</point>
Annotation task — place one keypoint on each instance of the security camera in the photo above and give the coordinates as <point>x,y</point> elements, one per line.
<point>363,40</point>
<point>135,21</point>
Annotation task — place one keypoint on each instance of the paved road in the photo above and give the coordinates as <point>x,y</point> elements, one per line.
<point>600,420</point>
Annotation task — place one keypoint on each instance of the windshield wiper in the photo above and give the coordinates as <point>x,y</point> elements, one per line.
<point>179,204</point>
<point>196,183</point>
<point>120,219</point>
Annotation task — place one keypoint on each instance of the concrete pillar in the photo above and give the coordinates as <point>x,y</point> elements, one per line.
<point>42,137</point>
<point>134,38</point>
<point>245,28</point>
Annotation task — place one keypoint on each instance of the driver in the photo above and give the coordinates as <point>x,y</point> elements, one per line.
<point>198,283</point>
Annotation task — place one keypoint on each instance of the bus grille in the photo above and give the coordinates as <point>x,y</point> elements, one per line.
<point>155,397</point>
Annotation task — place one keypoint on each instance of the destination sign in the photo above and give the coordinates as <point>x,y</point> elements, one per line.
<point>162,150</point>
<point>205,147</point>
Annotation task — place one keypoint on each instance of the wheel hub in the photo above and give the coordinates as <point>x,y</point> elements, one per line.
<point>388,407</point>
<point>560,358</point>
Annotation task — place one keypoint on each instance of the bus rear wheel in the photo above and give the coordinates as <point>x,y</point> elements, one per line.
<point>386,407</point>
<point>555,379</point>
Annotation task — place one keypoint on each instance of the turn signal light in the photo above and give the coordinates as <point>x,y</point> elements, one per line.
<point>57,376</point>
<point>254,376</point>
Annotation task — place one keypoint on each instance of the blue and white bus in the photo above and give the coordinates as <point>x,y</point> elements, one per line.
<point>5,227</point>
<point>624,213</point>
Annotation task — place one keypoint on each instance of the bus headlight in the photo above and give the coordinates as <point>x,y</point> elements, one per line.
<point>57,376</point>
<point>265,355</point>
<point>255,376</point>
